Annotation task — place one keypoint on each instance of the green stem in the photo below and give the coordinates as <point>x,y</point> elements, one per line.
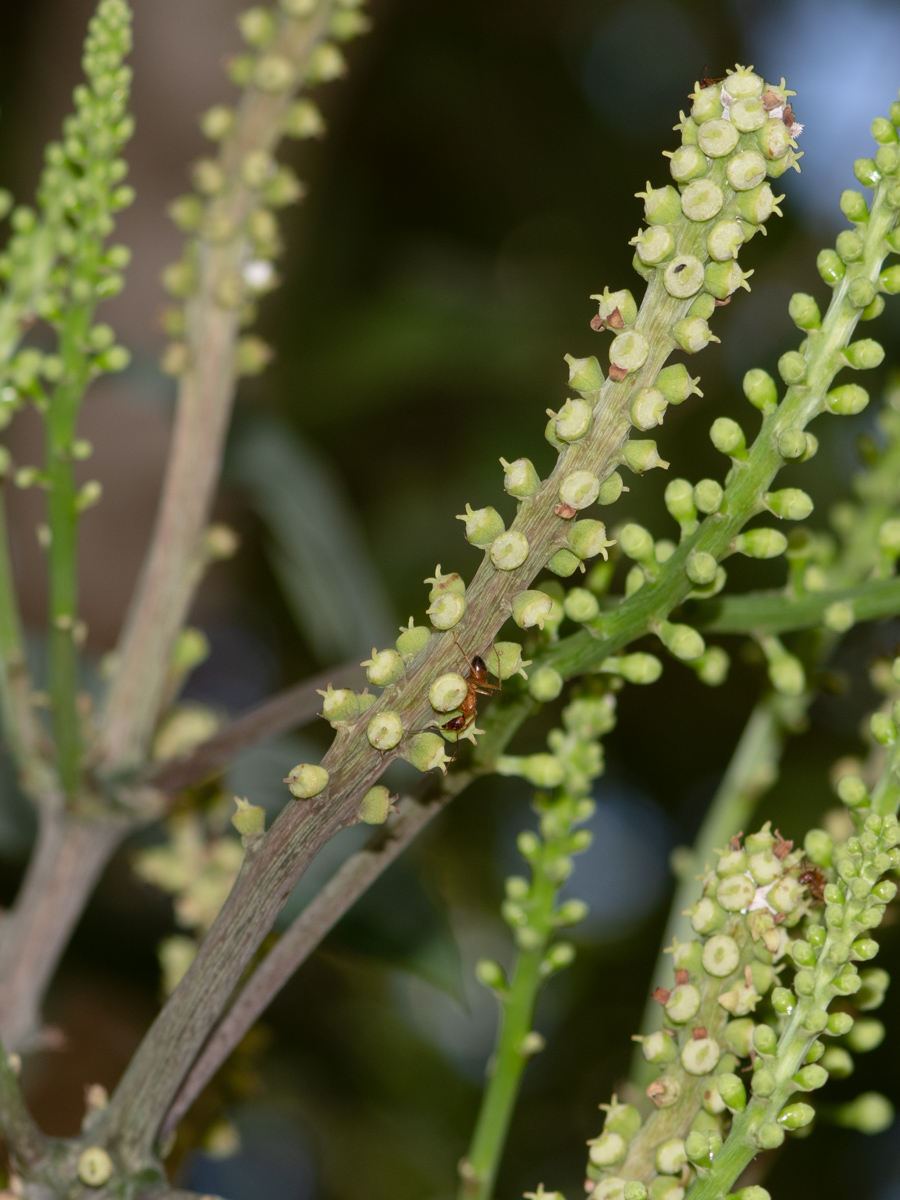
<point>479,1172</point>
<point>62,516</point>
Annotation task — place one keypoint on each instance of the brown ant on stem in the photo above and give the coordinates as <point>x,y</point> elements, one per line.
<point>477,684</point>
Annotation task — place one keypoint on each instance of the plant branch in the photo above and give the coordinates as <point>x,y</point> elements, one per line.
<point>322,913</point>
<point>70,855</point>
<point>26,1142</point>
<point>205,395</point>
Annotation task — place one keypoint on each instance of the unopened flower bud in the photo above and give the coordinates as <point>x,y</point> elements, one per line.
<point>869,1113</point>
<point>658,1047</point>
<point>426,752</point>
<point>864,354</point>
<point>692,334</point>
<point>611,489</point>
<point>585,375</point>
<point>483,525</point>
<point>384,730</point>
<point>760,543</point>
<point>883,728</point>
<point>306,780</point>
<point>662,205</point>
<point>250,819</point>
<point>509,550</point>
<point>374,806</point>
<point>648,408</point>
<point>701,567</point>
<point>520,479</point>
<point>545,684</point>
<point>531,608</point>
<point>339,705</point>
<point>303,120</point>
<point>731,1089</point>
<point>491,975</point>
<point>446,610</point>
<point>94,1167</point>
<point>847,400</point>
<point>504,659</point>
<point>681,641</point>
<point>642,456</point>
<point>587,538</point>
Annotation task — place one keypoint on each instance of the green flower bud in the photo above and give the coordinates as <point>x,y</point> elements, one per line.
<point>869,1113</point>
<point>447,692</point>
<point>585,375</point>
<point>250,819</point>
<point>658,1047</point>
<point>712,666</point>
<point>637,543</point>
<point>384,667</point>
<point>849,246</point>
<point>692,334</point>
<point>622,302</point>
<point>815,1021</point>
<point>412,639</point>
<point>94,1167</point>
<point>676,384</point>
<point>654,245</point>
<point>687,163</point>
<point>839,1024</point>
<point>339,706</point>
<point>648,408</point>
<point>252,355</point>
<point>303,120</point>
<point>664,1187</point>
<point>587,538</point>
<point>629,351</point>
<point>545,684</point>
<point>735,893</point>
<point>621,1118</point>
<point>520,478</point>
<point>701,567</point>
<point>607,1149</point>
<point>847,400</point>
<point>531,608</point>
<point>257,26</point>
<point>701,1145</point>
<point>708,496</point>
<point>306,780</point>
<point>861,293</point>
<point>864,355</point>
<point>830,267</point>
<point>637,668</point>
<point>796,1115</point>
<point>837,1062</point>
<point>679,498</point>
<point>683,277</point>
<point>702,200</point>
<point>760,543</point>
<point>732,1090</point>
<point>683,1003</point>
<point>446,610</point>
<point>509,551</point>
<point>385,730</point>
<point>581,605</point>
<point>883,728</point>
<point>681,641</point>
<point>866,1034</point>
<point>374,806</point>
<point>640,456</point>
<point>670,1157</point>
<point>634,1190</point>
<point>707,916</point>
<point>724,240</point>
<point>564,563</point>
<point>724,278</point>
<point>790,504</point>
<point>573,420</point>
<point>720,955</point>
<point>426,752</point>
<point>700,1055</point>
<point>757,205</point>
<point>717,138</point>
<point>483,525</point>
<point>839,616</point>
<point>611,489</point>
<point>579,489</point>
<point>661,205</point>
<point>728,438</point>
<point>491,975</point>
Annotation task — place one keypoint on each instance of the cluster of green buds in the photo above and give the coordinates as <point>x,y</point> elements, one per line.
<point>56,259</point>
<point>238,190</point>
<point>779,935</point>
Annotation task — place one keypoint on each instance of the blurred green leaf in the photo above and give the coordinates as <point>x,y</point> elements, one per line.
<point>316,547</point>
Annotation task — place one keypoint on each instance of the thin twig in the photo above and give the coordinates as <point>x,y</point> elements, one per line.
<point>70,856</point>
<point>307,931</point>
<point>26,1142</point>
<point>288,710</point>
<point>205,396</point>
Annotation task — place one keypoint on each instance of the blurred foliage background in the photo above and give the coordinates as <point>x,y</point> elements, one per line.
<point>475,186</point>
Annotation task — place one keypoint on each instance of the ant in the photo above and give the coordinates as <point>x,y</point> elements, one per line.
<point>477,685</point>
<point>814,881</point>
